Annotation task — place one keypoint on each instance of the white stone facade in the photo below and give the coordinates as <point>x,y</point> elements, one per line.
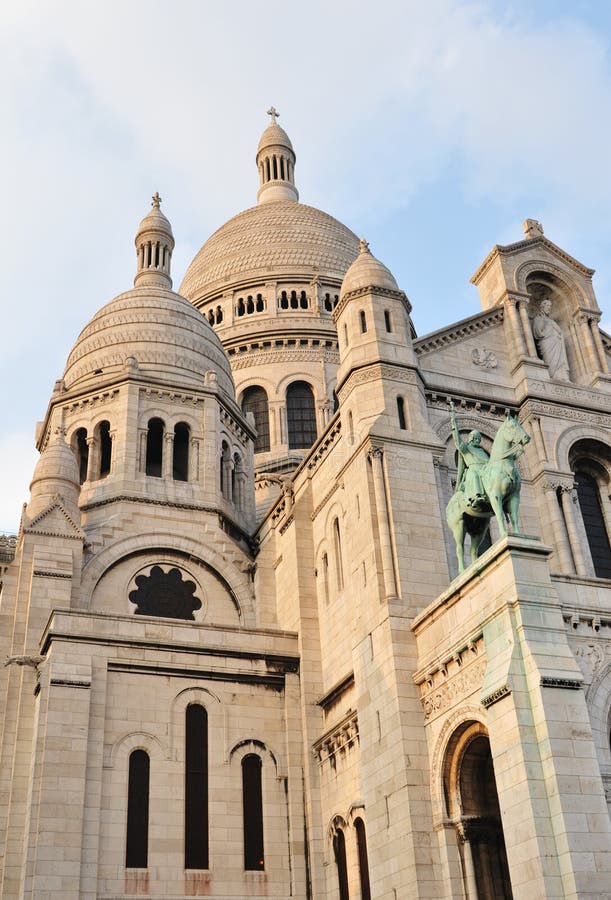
<point>374,726</point>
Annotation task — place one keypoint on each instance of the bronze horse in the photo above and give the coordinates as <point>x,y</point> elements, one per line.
<point>501,483</point>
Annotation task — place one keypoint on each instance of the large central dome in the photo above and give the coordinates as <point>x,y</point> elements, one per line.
<point>283,238</point>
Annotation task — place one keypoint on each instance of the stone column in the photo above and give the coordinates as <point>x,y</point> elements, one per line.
<point>388,569</point>
<point>92,459</point>
<point>527,329</point>
<point>568,497</point>
<point>142,436</point>
<point>515,324</point>
<point>602,356</point>
<point>582,321</point>
<point>167,463</point>
<point>563,549</point>
<point>194,459</point>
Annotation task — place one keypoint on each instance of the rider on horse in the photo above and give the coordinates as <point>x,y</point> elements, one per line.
<point>472,458</point>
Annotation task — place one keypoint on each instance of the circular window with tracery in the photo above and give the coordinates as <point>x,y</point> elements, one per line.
<point>165,590</point>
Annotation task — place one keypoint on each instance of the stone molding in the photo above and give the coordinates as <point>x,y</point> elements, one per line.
<point>326,498</point>
<point>469,327</point>
<point>46,573</point>
<point>324,445</point>
<point>496,695</point>
<point>340,739</point>
<point>457,686</point>
<point>252,356</point>
<point>374,289</point>
<point>185,398</point>
<point>550,681</point>
<point>541,242</point>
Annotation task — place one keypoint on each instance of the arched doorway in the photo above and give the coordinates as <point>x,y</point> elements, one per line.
<point>472,805</point>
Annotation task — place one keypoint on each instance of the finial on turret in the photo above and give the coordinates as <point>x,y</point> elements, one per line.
<point>156,200</point>
<point>364,246</point>
<point>273,112</point>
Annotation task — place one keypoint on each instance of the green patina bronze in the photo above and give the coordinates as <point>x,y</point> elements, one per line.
<point>485,485</point>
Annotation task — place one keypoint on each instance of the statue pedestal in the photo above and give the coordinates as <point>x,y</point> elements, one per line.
<point>493,653</point>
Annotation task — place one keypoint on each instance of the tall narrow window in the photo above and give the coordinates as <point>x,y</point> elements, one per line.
<point>196,788</point>
<point>180,458</point>
<point>105,443</point>
<point>252,805</point>
<point>339,568</point>
<point>401,413</point>
<point>361,846</point>
<point>339,851</point>
<point>137,839</point>
<point>301,415</point>
<point>363,319</point>
<point>225,473</point>
<point>387,321</point>
<point>255,401</point>
<point>81,449</point>
<point>594,522</point>
<point>154,447</point>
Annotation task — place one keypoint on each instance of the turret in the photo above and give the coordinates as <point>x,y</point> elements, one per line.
<point>276,164</point>
<point>154,245</point>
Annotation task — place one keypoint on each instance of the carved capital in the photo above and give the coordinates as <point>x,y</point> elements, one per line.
<point>375,453</point>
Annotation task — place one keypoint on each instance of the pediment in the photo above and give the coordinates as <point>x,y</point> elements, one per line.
<point>54,521</point>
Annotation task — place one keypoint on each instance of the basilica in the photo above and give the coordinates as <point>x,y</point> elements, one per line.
<point>269,627</point>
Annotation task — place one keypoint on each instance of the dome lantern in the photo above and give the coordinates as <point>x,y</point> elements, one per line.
<point>154,245</point>
<point>276,163</point>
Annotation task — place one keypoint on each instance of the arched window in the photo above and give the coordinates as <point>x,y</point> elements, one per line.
<point>473,804</point>
<point>361,846</point>
<point>196,788</point>
<point>594,522</point>
<point>337,545</point>
<point>180,460</point>
<point>241,308</point>
<point>252,806</point>
<point>590,460</point>
<point>284,300</point>
<point>303,300</point>
<point>219,315</point>
<point>301,415</point>
<point>339,851</point>
<point>154,447</point>
<point>401,413</point>
<point>294,300</point>
<point>137,838</point>
<point>81,450</point>
<point>255,401</point>
<point>105,448</point>
<point>250,304</point>
<point>260,303</point>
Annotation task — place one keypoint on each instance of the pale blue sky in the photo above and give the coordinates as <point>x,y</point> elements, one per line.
<point>433,129</point>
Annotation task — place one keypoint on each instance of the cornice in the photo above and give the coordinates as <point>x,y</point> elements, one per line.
<point>436,340</point>
<point>370,289</point>
<point>518,246</point>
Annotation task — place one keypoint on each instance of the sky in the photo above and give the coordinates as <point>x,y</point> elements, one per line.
<point>432,129</point>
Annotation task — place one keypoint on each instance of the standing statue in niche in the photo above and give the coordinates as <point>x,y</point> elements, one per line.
<point>485,486</point>
<point>550,342</point>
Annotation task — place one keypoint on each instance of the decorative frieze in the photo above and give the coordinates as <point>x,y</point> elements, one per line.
<point>338,741</point>
<point>451,684</point>
<point>496,695</point>
<point>572,684</point>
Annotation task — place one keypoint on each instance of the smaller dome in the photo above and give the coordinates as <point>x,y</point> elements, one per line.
<point>56,472</point>
<point>154,245</point>
<point>274,136</point>
<point>155,220</point>
<point>367,271</point>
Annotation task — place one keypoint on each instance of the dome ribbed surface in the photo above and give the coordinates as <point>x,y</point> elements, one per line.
<point>367,271</point>
<point>274,136</point>
<point>169,339</point>
<point>278,239</point>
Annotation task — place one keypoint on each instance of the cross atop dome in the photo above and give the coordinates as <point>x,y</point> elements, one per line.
<point>156,200</point>
<point>273,112</point>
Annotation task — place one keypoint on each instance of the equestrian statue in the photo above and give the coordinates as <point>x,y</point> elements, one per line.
<point>485,485</point>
